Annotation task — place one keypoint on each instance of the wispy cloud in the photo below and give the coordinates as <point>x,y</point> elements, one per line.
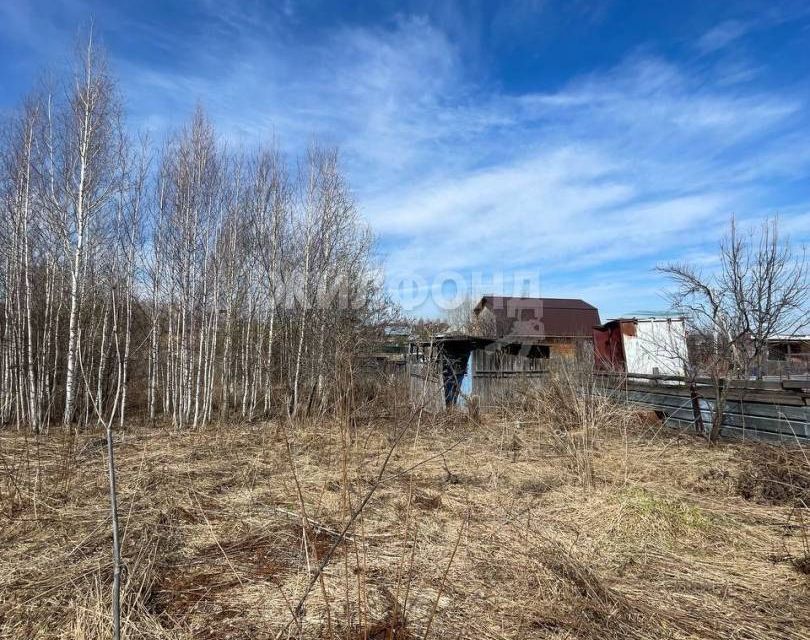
<point>590,183</point>
<point>626,166</point>
<point>722,35</point>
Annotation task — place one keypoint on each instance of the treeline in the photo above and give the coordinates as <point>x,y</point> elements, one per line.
<point>181,280</point>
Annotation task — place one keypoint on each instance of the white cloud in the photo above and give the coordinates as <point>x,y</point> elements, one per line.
<point>592,183</point>
<point>643,161</point>
<point>722,35</point>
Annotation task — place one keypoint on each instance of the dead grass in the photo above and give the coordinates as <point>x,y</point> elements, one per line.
<point>665,538</point>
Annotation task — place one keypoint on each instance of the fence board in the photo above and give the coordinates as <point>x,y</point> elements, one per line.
<point>767,410</point>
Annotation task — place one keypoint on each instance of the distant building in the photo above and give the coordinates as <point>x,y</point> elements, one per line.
<point>558,324</point>
<point>387,349</point>
<point>788,356</point>
<point>647,346</point>
<point>514,339</point>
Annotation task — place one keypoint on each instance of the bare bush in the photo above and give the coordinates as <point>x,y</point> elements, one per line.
<point>576,407</point>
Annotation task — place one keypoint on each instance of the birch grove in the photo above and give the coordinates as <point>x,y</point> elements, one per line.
<point>181,280</point>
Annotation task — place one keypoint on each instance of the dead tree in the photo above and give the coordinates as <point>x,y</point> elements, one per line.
<point>759,290</point>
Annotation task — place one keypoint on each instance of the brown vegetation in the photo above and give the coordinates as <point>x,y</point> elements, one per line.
<point>497,528</point>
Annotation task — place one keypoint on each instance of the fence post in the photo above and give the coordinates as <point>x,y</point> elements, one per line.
<point>698,415</point>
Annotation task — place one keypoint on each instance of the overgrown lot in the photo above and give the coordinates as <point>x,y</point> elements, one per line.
<point>510,526</point>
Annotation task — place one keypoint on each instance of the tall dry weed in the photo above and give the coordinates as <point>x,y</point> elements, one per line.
<point>576,407</point>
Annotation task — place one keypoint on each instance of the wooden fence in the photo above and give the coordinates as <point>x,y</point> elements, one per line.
<point>754,409</point>
<point>763,410</point>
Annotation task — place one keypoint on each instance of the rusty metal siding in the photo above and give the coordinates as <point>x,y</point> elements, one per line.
<point>609,347</point>
<point>540,317</point>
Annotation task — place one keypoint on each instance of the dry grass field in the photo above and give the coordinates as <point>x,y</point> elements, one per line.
<point>518,525</point>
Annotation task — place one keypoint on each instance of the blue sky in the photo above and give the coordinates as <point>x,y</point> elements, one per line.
<point>584,142</point>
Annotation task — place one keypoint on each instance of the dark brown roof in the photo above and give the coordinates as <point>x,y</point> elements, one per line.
<point>540,317</point>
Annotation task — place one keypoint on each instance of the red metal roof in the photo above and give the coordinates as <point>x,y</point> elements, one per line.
<point>540,317</point>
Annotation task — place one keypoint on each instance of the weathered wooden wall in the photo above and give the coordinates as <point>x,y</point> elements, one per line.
<point>496,389</point>
<point>497,376</point>
<point>425,386</point>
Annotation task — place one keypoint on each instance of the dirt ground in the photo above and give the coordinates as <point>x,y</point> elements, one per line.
<point>499,527</point>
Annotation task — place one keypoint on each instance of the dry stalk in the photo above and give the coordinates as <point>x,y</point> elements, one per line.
<point>444,577</point>
<point>355,513</point>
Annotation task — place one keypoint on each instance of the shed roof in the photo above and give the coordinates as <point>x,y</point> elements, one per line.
<point>540,317</point>
<point>642,319</point>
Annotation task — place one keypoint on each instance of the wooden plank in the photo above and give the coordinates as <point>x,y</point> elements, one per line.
<point>781,422</point>
<point>788,398</point>
<point>506,374</point>
<point>755,385</point>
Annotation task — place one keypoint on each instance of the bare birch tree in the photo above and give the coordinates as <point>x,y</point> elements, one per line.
<point>84,146</point>
<point>208,283</point>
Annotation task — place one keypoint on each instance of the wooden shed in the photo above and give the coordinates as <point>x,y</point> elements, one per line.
<point>514,342</point>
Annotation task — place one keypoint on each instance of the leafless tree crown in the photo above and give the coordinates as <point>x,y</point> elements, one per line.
<point>199,281</point>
